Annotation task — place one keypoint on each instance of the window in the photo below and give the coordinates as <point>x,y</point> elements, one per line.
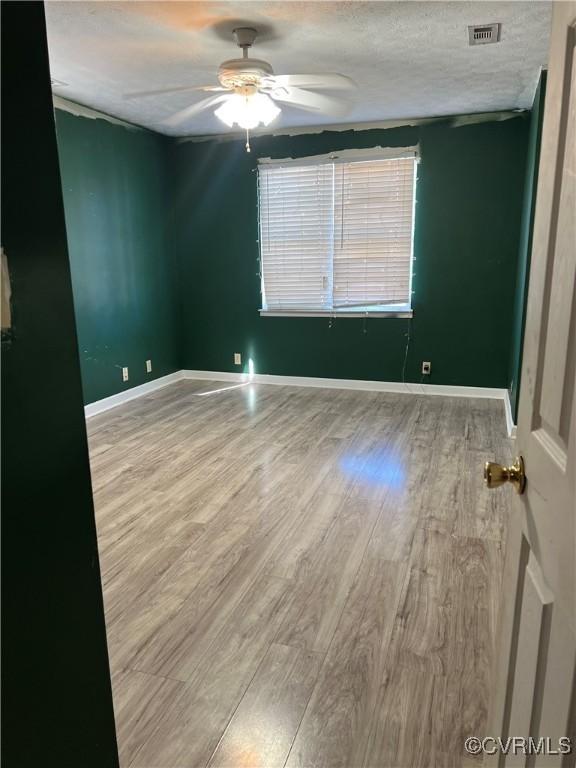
<point>336,233</point>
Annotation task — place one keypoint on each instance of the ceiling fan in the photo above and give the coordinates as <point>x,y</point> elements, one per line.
<point>249,90</point>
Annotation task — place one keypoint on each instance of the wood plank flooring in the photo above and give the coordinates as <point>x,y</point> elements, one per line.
<point>298,577</point>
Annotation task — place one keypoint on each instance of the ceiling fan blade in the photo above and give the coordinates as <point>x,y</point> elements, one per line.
<point>177,89</point>
<point>185,114</point>
<point>314,102</point>
<point>326,81</point>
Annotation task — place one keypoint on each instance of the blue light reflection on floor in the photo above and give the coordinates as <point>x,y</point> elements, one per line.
<point>380,469</point>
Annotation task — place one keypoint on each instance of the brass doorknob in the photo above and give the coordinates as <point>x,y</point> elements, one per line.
<point>496,475</point>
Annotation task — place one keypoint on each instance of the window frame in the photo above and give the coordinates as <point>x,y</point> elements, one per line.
<point>344,156</point>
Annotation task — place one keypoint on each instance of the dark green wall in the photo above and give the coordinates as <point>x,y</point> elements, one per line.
<point>56,695</point>
<point>469,204</point>
<point>525,247</point>
<point>115,197</point>
<point>163,246</point>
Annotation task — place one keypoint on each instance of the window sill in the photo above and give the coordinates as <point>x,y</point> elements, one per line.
<point>338,313</point>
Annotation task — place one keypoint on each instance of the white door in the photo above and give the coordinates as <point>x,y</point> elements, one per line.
<point>536,651</point>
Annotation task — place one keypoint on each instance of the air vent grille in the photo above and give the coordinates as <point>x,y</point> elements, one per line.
<point>481,34</point>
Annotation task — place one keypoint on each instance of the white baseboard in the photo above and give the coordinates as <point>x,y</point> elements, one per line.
<point>93,409</point>
<point>360,384</point>
<point>510,426</point>
<point>444,390</point>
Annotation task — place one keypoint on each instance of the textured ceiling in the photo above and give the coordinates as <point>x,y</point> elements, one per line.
<point>409,59</point>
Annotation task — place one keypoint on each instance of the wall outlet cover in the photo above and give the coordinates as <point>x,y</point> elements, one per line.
<point>426,368</point>
<point>124,374</point>
<point>148,366</point>
<point>237,358</point>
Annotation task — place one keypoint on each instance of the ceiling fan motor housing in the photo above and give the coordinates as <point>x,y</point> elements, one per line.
<point>237,73</point>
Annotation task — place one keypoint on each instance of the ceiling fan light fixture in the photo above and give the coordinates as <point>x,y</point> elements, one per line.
<point>247,111</point>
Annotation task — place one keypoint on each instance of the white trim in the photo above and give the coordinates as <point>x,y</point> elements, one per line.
<point>336,313</point>
<point>510,426</point>
<point>215,375</point>
<point>93,409</point>
<point>360,384</point>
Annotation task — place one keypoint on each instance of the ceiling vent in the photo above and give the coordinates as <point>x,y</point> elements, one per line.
<point>481,34</point>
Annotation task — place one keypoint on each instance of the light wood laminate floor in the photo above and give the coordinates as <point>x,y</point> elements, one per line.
<point>298,577</point>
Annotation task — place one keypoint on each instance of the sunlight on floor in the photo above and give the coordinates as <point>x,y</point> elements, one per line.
<point>222,389</point>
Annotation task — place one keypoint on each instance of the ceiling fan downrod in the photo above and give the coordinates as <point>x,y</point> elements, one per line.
<point>245,37</point>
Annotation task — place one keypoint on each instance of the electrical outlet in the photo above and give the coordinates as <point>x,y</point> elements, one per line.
<point>124,374</point>
<point>148,366</point>
<point>237,358</point>
<point>426,369</point>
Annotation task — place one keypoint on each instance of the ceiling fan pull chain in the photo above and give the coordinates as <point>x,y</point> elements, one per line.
<point>247,140</point>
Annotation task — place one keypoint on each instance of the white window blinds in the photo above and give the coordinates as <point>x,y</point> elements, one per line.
<point>336,235</point>
<point>373,204</point>
<point>296,221</point>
